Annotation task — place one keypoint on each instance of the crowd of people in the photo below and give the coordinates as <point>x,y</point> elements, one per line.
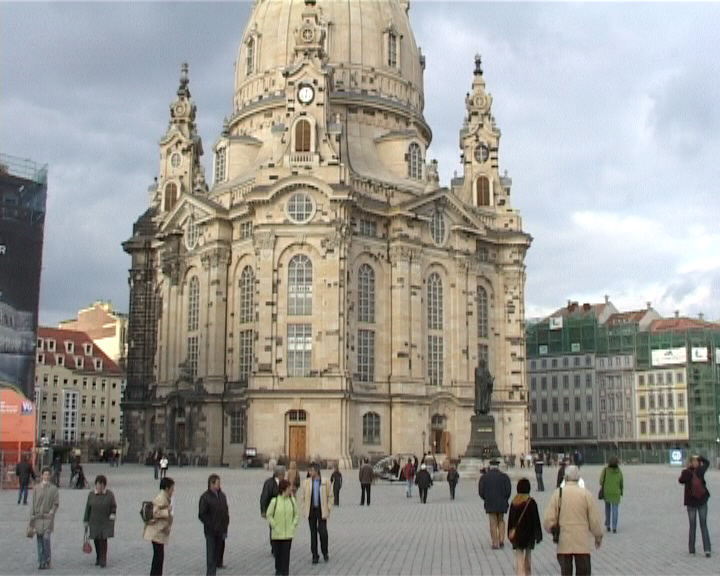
<point>571,516</point>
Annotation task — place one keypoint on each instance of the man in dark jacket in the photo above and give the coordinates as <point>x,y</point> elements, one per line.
<point>367,475</point>
<point>423,481</point>
<point>221,551</point>
<point>24,473</point>
<point>213,513</point>
<point>270,491</point>
<point>495,490</point>
<point>696,499</point>
<point>539,473</point>
<point>561,472</point>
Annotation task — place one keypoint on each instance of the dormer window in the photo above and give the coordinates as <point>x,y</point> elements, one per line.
<point>170,196</point>
<point>482,191</point>
<point>41,358</point>
<point>414,161</point>
<point>303,133</point>
<point>220,164</point>
<point>51,345</point>
<point>98,365</point>
<point>60,360</point>
<point>69,347</point>
<point>79,362</point>
<point>88,349</point>
<point>40,343</point>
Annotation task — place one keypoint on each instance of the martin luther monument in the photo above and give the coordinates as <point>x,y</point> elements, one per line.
<point>482,424</point>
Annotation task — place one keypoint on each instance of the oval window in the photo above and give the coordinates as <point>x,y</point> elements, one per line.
<point>300,208</point>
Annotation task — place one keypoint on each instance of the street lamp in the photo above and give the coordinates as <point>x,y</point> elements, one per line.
<point>423,437</point>
<point>512,460</point>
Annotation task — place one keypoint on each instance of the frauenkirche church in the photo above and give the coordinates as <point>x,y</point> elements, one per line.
<point>325,297</point>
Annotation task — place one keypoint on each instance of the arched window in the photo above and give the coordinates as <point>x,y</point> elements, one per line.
<point>482,191</point>
<point>482,312</point>
<point>438,422</point>
<point>366,294</point>
<point>300,286</point>
<point>247,295</point>
<point>250,57</point>
<point>436,342</point>
<point>414,161</point>
<point>371,428</point>
<point>392,49</point>
<point>193,304</point>
<point>170,196</point>
<point>302,136</point>
<point>220,162</point>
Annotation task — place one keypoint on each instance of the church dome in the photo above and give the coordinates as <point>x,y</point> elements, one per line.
<point>359,35</point>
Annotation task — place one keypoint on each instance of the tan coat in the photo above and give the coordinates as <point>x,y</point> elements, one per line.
<point>158,529</point>
<point>579,519</point>
<point>326,503</point>
<point>45,502</point>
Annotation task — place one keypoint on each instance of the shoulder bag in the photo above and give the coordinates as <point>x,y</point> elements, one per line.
<point>513,531</point>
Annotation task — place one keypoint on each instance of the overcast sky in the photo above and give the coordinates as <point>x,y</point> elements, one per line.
<point>610,119</point>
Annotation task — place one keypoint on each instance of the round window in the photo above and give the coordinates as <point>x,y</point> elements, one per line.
<point>437,228</point>
<point>300,208</point>
<point>192,233</point>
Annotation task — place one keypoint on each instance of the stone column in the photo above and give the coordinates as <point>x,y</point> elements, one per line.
<point>266,296</point>
<point>215,264</point>
<point>399,314</point>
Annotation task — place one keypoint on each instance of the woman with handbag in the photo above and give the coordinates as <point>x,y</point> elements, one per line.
<point>99,519</point>
<point>696,499</point>
<point>611,490</point>
<point>524,527</point>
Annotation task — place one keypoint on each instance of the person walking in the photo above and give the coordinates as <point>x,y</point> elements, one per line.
<point>524,527</point>
<point>573,515</point>
<point>317,506</point>
<point>25,473</point>
<point>561,473</point>
<point>99,518</point>
<point>293,477</point>
<point>495,489</point>
<point>226,524</point>
<point>522,459</point>
<point>367,476</point>
<point>283,517</point>
<point>696,499</point>
<point>156,463</point>
<point>57,471</point>
<point>45,502</point>
<point>214,515</point>
<point>539,473</point>
<point>270,489</point>
<point>409,475</point>
<point>611,490</point>
<point>158,529</point>
<point>424,481</point>
<point>452,478</point>
<point>336,481</point>
<point>164,464</point>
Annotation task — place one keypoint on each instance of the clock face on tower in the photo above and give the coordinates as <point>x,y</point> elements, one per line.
<point>482,152</point>
<point>306,93</point>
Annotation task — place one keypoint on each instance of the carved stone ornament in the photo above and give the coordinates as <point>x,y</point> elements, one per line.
<point>264,240</point>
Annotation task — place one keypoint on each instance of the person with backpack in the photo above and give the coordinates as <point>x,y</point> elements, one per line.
<point>524,527</point>
<point>611,490</point>
<point>99,519</point>
<point>215,517</point>
<point>158,518</point>
<point>696,499</point>
<point>336,481</point>
<point>283,517</point>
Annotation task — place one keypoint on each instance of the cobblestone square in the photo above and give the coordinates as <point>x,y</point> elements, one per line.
<point>395,535</point>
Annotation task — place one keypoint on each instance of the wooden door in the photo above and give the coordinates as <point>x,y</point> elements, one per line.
<point>296,449</point>
<point>446,443</point>
<point>180,437</point>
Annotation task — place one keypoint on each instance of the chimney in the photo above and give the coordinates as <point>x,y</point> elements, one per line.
<point>701,316</point>
<point>569,306</point>
<point>649,305</point>
<point>607,299</point>
<point>586,306</point>
<point>677,313</point>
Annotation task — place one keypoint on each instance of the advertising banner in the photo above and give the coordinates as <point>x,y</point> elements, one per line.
<point>669,356</point>
<point>556,323</point>
<point>22,220</point>
<point>676,457</point>
<point>699,354</point>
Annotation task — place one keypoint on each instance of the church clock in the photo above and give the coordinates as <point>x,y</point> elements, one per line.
<point>306,93</point>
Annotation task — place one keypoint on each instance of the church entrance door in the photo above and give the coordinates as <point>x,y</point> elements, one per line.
<point>296,449</point>
<point>180,437</point>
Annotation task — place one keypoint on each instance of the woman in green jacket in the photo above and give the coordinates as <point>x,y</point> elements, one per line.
<point>611,486</point>
<point>283,517</point>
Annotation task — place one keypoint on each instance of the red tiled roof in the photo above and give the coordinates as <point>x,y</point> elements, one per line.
<point>576,309</point>
<point>627,317</point>
<point>79,339</point>
<point>680,324</point>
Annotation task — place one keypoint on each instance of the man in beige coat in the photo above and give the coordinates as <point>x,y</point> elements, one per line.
<point>573,509</point>
<point>317,505</point>
<point>45,502</point>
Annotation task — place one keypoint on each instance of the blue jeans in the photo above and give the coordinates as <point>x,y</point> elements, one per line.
<point>611,513</point>
<point>43,546</point>
<point>408,488</point>
<point>692,514</point>
<point>23,494</point>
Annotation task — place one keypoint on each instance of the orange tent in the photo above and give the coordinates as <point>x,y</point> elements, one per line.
<point>17,429</point>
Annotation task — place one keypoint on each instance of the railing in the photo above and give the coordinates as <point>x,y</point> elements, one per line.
<point>302,158</point>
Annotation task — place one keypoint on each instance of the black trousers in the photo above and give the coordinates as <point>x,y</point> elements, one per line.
<point>336,494</point>
<point>221,552</point>
<point>423,494</point>
<point>365,488</point>
<point>282,557</point>
<point>582,564</point>
<point>212,550</point>
<point>317,526</point>
<point>156,568</point>
<point>540,483</point>
<point>100,551</point>
<point>452,491</point>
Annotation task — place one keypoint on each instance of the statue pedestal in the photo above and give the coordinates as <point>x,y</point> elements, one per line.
<point>482,438</point>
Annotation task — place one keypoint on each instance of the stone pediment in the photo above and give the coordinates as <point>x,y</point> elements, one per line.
<point>461,215</point>
<point>201,207</point>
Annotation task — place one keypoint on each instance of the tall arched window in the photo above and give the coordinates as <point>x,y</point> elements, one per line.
<point>482,312</point>
<point>366,294</point>
<point>366,315</point>
<point>482,191</point>
<point>371,428</point>
<point>414,161</point>
<point>300,286</point>
<point>220,163</point>
<point>170,196</point>
<point>247,312</point>
<point>250,56</point>
<point>193,324</point>
<point>302,136</point>
<point>436,343</point>
<point>392,49</point>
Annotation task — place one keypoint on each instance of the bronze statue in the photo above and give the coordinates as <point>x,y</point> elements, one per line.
<point>483,388</point>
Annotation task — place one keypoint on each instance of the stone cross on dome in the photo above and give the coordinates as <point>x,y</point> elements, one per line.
<point>478,65</point>
<point>183,89</point>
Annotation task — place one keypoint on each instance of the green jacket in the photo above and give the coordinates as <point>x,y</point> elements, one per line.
<point>283,516</point>
<point>611,482</point>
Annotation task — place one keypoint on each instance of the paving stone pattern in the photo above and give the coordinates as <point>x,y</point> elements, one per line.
<point>395,535</point>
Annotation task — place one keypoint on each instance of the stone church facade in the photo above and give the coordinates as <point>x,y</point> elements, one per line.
<point>325,297</point>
